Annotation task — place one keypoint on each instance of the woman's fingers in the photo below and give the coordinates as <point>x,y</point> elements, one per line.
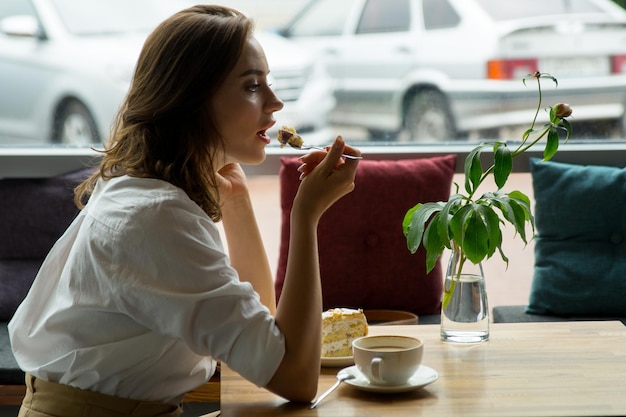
<point>313,159</point>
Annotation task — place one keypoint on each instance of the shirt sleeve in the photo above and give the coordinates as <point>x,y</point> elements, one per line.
<point>173,276</point>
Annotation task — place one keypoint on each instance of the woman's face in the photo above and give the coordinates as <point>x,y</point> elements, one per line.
<point>243,107</point>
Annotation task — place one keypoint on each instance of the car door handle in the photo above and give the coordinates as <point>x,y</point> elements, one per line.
<point>404,49</point>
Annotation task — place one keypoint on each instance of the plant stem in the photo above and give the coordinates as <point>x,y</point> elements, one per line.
<point>520,150</point>
<point>456,274</point>
<point>460,261</point>
<point>532,125</point>
<point>523,146</point>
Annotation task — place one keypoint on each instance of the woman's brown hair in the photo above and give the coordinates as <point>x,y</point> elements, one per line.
<point>164,128</point>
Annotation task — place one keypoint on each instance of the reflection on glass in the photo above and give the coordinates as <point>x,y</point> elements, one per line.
<point>445,71</point>
<point>381,72</point>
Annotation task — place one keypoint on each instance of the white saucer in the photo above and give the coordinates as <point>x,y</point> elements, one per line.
<point>421,378</point>
<point>337,362</point>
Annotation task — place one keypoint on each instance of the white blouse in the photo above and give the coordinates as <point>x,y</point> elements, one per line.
<point>137,299</point>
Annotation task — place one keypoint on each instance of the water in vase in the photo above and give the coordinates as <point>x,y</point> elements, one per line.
<point>465,318</point>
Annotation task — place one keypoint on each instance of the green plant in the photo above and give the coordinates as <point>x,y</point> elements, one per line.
<point>472,224</point>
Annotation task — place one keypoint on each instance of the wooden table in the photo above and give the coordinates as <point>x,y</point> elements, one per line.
<point>525,369</point>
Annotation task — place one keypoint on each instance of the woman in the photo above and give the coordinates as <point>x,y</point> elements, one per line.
<point>137,300</point>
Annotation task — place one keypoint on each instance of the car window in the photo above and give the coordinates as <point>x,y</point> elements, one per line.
<point>321,18</point>
<point>380,16</point>
<point>505,10</point>
<point>439,14</point>
<point>109,16</point>
<point>15,7</point>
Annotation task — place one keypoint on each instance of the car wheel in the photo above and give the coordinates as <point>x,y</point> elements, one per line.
<point>74,125</point>
<point>428,118</point>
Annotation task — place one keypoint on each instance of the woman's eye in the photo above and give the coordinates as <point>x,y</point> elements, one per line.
<point>255,86</point>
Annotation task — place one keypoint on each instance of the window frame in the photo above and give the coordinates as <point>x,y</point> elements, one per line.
<point>42,162</point>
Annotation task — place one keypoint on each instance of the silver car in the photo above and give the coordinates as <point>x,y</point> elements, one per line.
<point>65,66</point>
<point>433,70</point>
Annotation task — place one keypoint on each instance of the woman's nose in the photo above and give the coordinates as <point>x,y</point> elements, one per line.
<point>275,103</point>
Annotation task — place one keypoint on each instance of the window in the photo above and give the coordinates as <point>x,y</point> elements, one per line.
<point>392,76</point>
<point>12,8</point>
<point>322,18</point>
<point>380,16</point>
<point>502,10</point>
<point>110,16</point>
<point>439,14</point>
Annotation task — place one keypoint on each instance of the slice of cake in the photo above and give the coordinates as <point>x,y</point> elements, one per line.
<point>340,326</point>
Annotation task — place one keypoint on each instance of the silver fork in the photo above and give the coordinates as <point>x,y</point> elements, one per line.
<point>340,379</point>
<point>305,148</point>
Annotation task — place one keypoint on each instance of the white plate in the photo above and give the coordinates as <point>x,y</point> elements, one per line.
<point>422,377</point>
<point>337,362</point>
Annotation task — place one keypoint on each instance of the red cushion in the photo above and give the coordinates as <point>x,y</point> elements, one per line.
<point>364,259</point>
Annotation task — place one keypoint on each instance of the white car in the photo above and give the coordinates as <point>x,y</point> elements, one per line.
<point>65,66</point>
<point>434,70</point>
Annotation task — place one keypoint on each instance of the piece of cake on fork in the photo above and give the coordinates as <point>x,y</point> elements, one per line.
<point>287,135</point>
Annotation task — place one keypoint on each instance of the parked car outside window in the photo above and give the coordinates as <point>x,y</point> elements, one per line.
<point>440,70</point>
<point>65,66</point>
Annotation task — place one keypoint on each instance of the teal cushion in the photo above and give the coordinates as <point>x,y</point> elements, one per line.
<point>580,248</point>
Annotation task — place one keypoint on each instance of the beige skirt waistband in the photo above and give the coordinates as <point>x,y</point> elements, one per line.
<point>45,398</point>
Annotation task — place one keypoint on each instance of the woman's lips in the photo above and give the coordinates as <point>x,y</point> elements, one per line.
<point>263,136</point>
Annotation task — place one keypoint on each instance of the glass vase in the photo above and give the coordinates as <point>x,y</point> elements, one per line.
<point>464,310</point>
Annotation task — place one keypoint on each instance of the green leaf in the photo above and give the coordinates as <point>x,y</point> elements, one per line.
<point>492,221</point>
<point>567,126</point>
<point>502,203</point>
<point>443,222</point>
<point>503,256</point>
<point>470,232</point>
<point>503,164</point>
<point>473,169</point>
<point>521,197</point>
<point>433,244</point>
<point>552,144</point>
<point>552,115</point>
<point>476,239</point>
<point>415,221</point>
<point>408,217</point>
<point>519,216</point>
<point>526,134</point>
<point>515,208</point>
<point>524,202</point>
<point>546,75</point>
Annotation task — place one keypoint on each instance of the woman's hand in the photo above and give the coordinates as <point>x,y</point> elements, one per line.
<point>326,177</point>
<point>231,182</point>
<point>311,160</point>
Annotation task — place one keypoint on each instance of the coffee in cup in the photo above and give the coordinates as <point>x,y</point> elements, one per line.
<point>387,360</point>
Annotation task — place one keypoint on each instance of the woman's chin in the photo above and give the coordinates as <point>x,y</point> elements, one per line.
<point>254,159</point>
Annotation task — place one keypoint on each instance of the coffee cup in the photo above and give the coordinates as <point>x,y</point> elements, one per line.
<point>387,360</point>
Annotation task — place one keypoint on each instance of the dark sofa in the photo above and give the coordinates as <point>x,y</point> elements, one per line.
<point>518,314</point>
<point>34,213</point>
